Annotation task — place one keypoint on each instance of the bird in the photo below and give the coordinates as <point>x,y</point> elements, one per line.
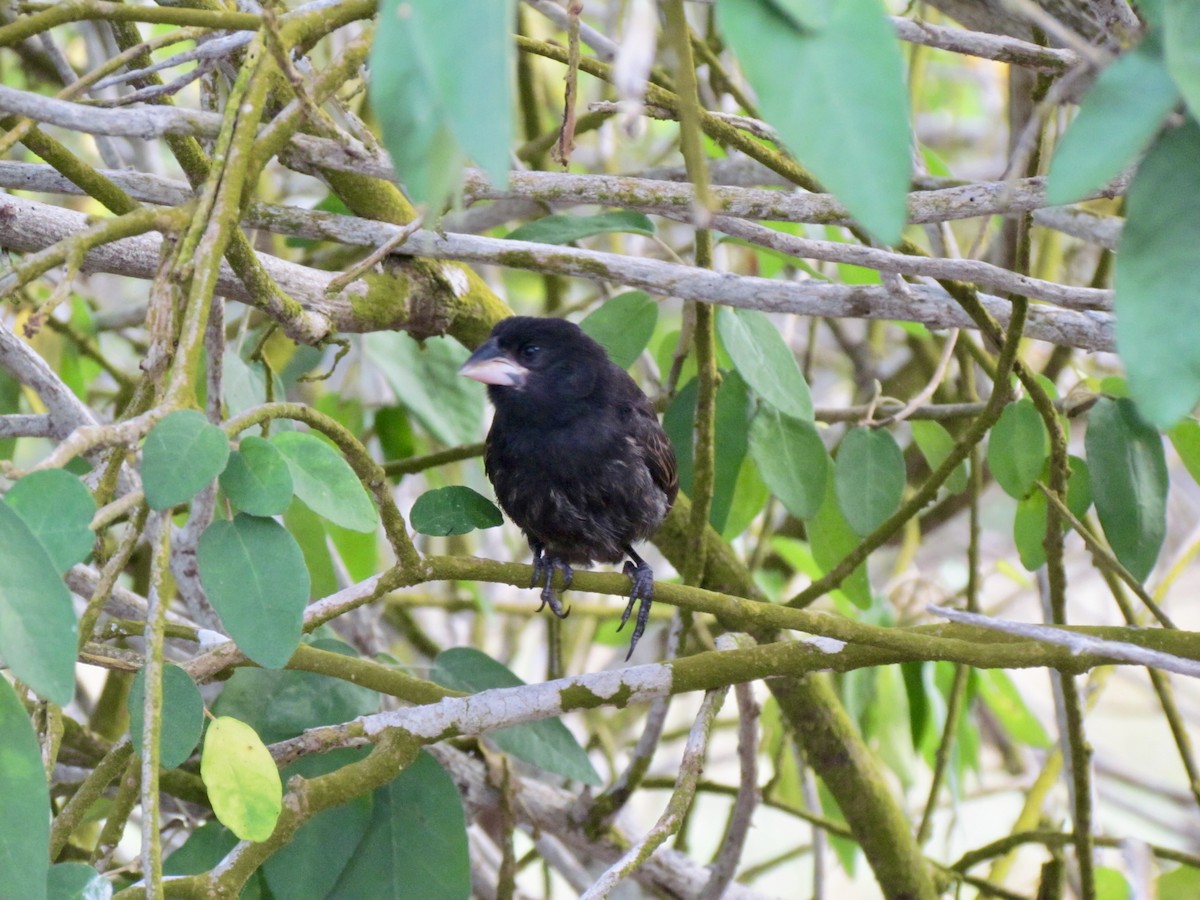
<point>575,453</point>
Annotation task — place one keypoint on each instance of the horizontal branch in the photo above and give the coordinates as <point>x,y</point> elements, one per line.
<point>29,226</point>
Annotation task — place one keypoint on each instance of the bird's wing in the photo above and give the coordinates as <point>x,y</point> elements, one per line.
<point>660,457</point>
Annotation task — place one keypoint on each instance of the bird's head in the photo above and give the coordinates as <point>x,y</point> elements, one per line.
<point>537,362</point>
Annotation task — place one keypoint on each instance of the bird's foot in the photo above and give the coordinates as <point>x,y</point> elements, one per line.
<point>641,577</point>
<point>543,574</point>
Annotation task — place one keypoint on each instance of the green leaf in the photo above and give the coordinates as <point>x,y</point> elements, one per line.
<point>437,103</point>
<point>182,715</point>
<point>241,778</point>
<point>309,865</point>
<point>312,534</point>
<point>750,495</point>
<point>563,229</point>
<point>860,150</point>
<point>244,385</point>
<point>325,481</point>
<point>1079,487</point>
<point>1181,40</point>
<point>1181,882</point>
<point>77,881</point>
<point>182,454</point>
<point>258,479</point>
<point>1029,530</point>
<point>416,844</point>
<point>1186,438</point>
<point>1018,448</point>
<point>25,834</point>
<point>281,703</point>
<point>453,510</point>
<point>1005,701</point>
<point>831,538</point>
<point>1157,279</point>
<point>38,633</point>
<point>426,382</point>
<point>1129,479</point>
<point>791,458</point>
<point>935,444</point>
<point>1029,523</point>
<point>203,849</point>
<point>546,744</point>
<point>623,325</point>
<point>869,477</point>
<point>1118,117</point>
<point>732,416</point>
<point>253,573</point>
<point>765,361</point>
<point>58,510</point>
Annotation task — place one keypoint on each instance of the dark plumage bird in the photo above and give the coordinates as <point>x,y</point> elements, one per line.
<point>575,453</point>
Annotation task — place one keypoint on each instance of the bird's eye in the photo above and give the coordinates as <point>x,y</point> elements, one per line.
<point>529,351</point>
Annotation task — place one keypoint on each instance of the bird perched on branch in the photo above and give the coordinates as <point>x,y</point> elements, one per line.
<point>575,453</point>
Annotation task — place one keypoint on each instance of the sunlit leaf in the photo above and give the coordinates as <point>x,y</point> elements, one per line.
<point>241,779</point>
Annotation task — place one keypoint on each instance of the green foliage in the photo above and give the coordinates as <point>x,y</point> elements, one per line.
<point>254,575</point>
<point>416,841</point>
<point>182,454</point>
<point>182,715</point>
<point>309,866</point>
<point>1129,480</point>
<point>257,478</point>
<point>1018,448</point>
<point>791,458</point>
<point>848,124</point>
<point>568,229</point>
<point>241,779</point>
<point>454,510</point>
<point>1157,279</point>
<point>1181,43</point>
<point>325,481</point>
<point>25,833</point>
<point>765,361</point>
<point>546,744</point>
<point>868,477</point>
<point>436,104</point>
<point>1120,115</point>
<point>935,444</point>
<point>38,633</point>
<point>58,510</point>
<point>623,325</point>
<point>280,704</point>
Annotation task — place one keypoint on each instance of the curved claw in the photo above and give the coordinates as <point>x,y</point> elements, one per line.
<point>641,577</point>
<point>543,573</point>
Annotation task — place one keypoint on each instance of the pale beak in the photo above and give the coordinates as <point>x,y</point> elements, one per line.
<point>490,365</point>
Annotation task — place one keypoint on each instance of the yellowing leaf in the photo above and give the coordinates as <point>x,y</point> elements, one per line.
<point>242,780</point>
